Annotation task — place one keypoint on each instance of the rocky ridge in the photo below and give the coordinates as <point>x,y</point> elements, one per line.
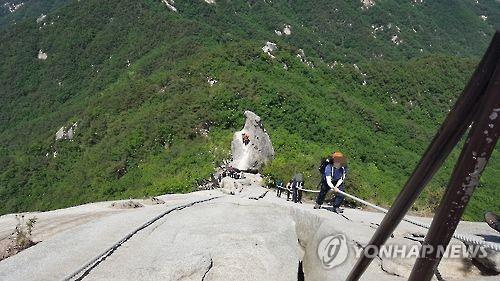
<point>244,233</point>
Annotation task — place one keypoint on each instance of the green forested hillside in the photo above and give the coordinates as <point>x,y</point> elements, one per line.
<point>133,75</point>
<point>13,11</point>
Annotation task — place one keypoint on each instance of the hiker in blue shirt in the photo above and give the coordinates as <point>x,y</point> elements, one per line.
<point>333,178</point>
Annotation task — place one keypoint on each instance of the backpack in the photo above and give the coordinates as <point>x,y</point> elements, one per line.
<point>323,164</point>
<point>344,172</point>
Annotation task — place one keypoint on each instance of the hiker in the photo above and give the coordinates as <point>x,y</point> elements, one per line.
<point>297,182</point>
<point>233,172</point>
<point>279,188</point>
<point>245,138</point>
<point>230,171</point>
<point>288,188</point>
<point>492,220</point>
<point>333,177</point>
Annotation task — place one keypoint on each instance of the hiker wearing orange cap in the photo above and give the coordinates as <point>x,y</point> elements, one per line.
<point>333,177</point>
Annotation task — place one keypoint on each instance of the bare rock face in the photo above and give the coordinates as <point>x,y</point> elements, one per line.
<point>251,147</point>
<point>42,55</point>
<point>152,201</point>
<point>248,186</point>
<point>170,4</point>
<point>126,205</point>
<point>269,48</point>
<point>367,4</point>
<point>63,134</point>
<point>490,260</point>
<point>287,30</point>
<point>41,18</point>
<point>244,236</point>
<point>193,267</point>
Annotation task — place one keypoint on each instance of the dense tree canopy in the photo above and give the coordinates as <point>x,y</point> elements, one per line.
<point>133,75</point>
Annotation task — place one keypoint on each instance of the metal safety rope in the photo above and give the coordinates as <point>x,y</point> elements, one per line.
<point>93,262</point>
<point>462,237</point>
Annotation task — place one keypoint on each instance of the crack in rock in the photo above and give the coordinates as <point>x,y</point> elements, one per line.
<point>345,217</point>
<point>416,239</point>
<point>210,266</point>
<point>260,196</point>
<point>385,269</point>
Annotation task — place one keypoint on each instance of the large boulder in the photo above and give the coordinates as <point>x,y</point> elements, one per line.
<point>489,260</point>
<point>249,185</point>
<point>251,147</point>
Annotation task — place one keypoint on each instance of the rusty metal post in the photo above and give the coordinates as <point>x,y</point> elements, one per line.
<point>447,137</point>
<point>475,154</point>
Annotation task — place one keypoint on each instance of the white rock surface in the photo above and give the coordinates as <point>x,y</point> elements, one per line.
<point>492,259</point>
<point>367,4</point>
<point>396,40</point>
<point>287,30</point>
<point>42,55</point>
<point>302,56</point>
<point>13,7</point>
<point>63,134</point>
<point>269,48</point>
<point>41,18</point>
<point>258,152</point>
<point>231,237</point>
<point>211,81</point>
<point>170,4</point>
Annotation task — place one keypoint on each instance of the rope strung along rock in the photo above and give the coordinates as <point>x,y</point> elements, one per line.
<point>446,138</point>
<point>462,237</point>
<point>475,155</point>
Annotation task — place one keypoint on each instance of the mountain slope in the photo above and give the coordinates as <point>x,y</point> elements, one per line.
<point>133,75</point>
<point>205,231</point>
<point>13,11</point>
